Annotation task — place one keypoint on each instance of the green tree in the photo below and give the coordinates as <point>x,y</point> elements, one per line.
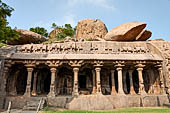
<point>54,26</point>
<point>6,32</point>
<point>67,30</point>
<point>40,30</point>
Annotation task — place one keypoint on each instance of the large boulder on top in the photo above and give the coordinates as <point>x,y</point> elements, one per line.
<point>144,35</point>
<point>91,29</point>
<point>27,37</point>
<point>125,32</point>
<point>54,32</point>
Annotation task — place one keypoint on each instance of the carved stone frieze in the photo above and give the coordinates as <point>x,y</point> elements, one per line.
<point>84,48</point>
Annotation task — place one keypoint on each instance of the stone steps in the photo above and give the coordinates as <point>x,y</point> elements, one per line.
<point>33,103</point>
<point>59,101</point>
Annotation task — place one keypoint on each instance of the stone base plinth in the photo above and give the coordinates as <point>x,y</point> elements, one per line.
<point>92,102</point>
<point>101,102</point>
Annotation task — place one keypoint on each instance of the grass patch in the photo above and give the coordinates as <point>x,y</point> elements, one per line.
<point>123,110</point>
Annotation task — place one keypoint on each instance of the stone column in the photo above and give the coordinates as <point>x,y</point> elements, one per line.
<point>162,87</point>
<point>124,81</point>
<point>34,90</point>
<point>113,83</point>
<point>141,83</point>
<point>4,81</point>
<point>29,77</point>
<point>132,91</point>
<point>52,85</point>
<point>98,84</point>
<point>120,83</point>
<point>94,82</point>
<point>75,85</point>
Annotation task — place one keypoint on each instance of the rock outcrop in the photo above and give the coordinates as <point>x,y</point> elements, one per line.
<point>144,35</point>
<point>54,32</point>
<point>160,39</point>
<point>90,29</point>
<point>128,32</point>
<point>27,37</point>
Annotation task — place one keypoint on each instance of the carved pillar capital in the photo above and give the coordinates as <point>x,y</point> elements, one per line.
<point>119,68</point>
<point>53,70</point>
<point>98,63</point>
<point>75,69</point>
<point>53,63</point>
<point>139,69</point>
<point>29,69</point>
<point>98,69</point>
<point>76,63</point>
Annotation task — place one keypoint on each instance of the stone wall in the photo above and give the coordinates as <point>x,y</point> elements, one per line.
<point>100,102</point>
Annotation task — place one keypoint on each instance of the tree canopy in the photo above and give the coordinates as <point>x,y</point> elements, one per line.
<point>40,30</point>
<point>67,30</point>
<point>6,32</point>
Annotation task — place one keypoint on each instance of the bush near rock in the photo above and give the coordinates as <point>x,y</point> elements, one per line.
<point>27,37</point>
<point>54,32</point>
<point>91,29</point>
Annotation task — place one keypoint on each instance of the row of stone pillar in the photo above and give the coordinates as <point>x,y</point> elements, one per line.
<point>96,81</point>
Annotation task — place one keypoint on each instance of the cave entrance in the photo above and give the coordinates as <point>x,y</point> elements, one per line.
<point>41,80</point>
<point>17,80</point>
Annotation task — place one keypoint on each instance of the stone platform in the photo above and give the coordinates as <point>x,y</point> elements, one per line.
<point>101,102</point>
<point>93,102</point>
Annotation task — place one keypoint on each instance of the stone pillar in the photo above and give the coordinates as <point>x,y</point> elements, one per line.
<point>34,90</point>
<point>120,83</point>
<point>94,82</point>
<point>75,85</point>
<point>162,87</point>
<point>4,81</point>
<point>141,83</point>
<point>52,85</point>
<point>98,84</point>
<point>113,83</point>
<point>124,81</point>
<point>28,87</point>
<point>132,91</point>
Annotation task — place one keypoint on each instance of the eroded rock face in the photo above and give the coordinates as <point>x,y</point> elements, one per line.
<point>27,37</point>
<point>125,32</point>
<point>144,35</point>
<point>91,29</point>
<point>54,32</point>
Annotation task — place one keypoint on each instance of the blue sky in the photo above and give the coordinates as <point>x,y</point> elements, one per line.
<point>33,13</point>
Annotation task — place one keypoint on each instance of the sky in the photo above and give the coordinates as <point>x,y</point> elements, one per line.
<point>42,13</point>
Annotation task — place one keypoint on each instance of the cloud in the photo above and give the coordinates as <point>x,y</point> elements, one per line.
<point>100,3</point>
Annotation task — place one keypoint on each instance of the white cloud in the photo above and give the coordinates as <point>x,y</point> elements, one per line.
<point>100,3</point>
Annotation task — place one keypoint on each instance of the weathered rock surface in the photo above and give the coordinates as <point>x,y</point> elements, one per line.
<point>91,29</point>
<point>27,37</point>
<point>54,32</point>
<point>144,35</point>
<point>160,39</point>
<point>125,32</point>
